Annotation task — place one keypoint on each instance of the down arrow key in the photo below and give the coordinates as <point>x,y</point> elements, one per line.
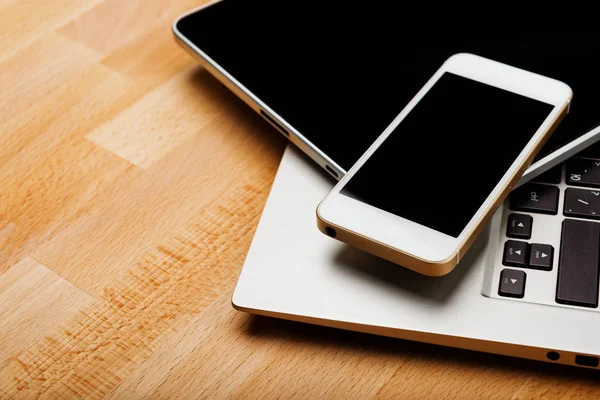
<point>512,283</point>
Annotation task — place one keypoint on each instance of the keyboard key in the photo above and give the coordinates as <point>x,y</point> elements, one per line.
<point>512,283</point>
<point>582,203</point>
<point>552,176</point>
<point>583,172</point>
<point>515,253</point>
<point>540,256</point>
<point>519,226</point>
<point>535,198</point>
<point>578,263</point>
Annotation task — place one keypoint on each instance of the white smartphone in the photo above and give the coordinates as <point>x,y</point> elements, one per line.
<point>427,186</point>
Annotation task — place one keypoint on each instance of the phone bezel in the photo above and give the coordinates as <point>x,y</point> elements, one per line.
<point>422,243</point>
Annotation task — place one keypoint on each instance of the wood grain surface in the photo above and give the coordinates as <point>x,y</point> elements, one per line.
<point>131,186</point>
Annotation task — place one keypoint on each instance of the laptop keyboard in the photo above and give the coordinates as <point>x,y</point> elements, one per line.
<point>549,249</point>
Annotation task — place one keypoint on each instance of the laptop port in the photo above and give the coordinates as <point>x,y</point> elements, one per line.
<point>553,355</point>
<point>586,361</point>
<point>330,231</point>
<point>274,123</point>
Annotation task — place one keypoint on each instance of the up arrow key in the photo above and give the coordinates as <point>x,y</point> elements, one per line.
<point>519,226</point>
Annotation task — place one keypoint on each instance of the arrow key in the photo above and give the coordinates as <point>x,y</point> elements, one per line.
<point>512,283</point>
<point>515,253</point>
<point>519,226</point>
<point>541,256</point>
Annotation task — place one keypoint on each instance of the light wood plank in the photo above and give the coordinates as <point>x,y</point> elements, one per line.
<point>159,122</point>
<point>157,58</point>
<point>222,356</point>
<point>142,209</point>
<point>50,171</point>
<point>39,70</point>
<point>476,381</point>
<point>226,352</point>
<point>105,31</point>
<point>23,22</point>
<point>135,181</point>
<point>5,3</point>
<point>34,302</point>
<point>561,384</point>
<point>161,293</point>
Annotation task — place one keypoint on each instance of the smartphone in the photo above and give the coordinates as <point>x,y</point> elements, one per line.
<point>427,186</point>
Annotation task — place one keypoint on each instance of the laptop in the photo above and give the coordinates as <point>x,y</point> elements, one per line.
<point>549,313</point>
<point>528,288</point>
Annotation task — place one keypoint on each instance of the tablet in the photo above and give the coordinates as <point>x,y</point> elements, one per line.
<point>333,81</point>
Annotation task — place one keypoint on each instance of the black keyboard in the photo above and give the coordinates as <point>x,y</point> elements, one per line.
<point>551,236</point>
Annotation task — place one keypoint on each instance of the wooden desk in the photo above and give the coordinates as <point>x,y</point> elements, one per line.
<point>131,186</point>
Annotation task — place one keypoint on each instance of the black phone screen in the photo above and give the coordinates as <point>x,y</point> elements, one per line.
<point>423,170</point>
<point>339,76</point>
